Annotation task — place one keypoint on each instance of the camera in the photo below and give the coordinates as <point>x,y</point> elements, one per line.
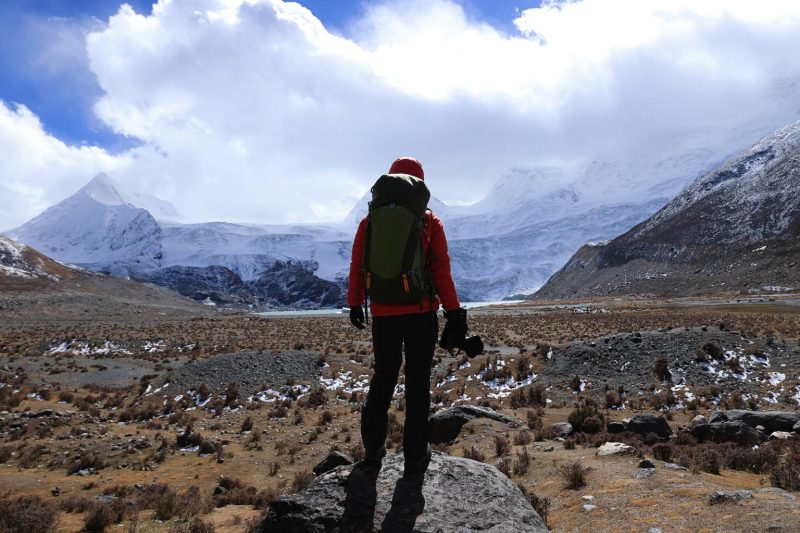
<point>472,346</point>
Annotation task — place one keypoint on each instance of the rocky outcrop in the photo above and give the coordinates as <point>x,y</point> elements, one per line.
<point>733,229</point>
<point>731,431</point>
<point>455,495</point>
<point>647,423</point>
<point>446,424</point>
<point>333,460</point>
<point>771,420</point>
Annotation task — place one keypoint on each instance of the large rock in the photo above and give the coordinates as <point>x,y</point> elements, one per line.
<point>796,428</point>
<point>644,424</point>
<point>615,448</point>
<point>456,495</point>
<point>734,431</point>
<point>771,420</point>
<point>446,424</point>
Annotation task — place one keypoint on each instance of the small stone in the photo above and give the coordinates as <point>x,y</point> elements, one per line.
<point>647,463</point>
<point>780,435</point>
<point>588,497</point>
<point>654,530</point>
<point>698,420</point>
<point>761,428</point>
<point>673,466</point>
<point>726,497</point>
<point>643,473</point>
<point>56,491</point>
<point>588,507</point>
<point>548,449</point>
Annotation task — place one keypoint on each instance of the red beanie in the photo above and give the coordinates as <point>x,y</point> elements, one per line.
<point>407,165</point>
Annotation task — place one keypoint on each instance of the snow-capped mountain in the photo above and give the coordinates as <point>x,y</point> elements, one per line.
<point>96,227</point>
<point>734,229</point>
<point>507,244</point>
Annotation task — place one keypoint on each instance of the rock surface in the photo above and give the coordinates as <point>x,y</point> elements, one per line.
<point>446,424</point>
<point>333,460</point>
<point>645,424</point>
<point>727,497</point>
<point>771,420</point>
<point>455,495</point>
<point>735,431</point>
<point>615,448</point>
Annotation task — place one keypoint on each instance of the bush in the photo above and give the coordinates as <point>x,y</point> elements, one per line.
<point>501,445</point>
<point>27,514</point>
<point>662,452</point>
<point>661,369</point>
<point>540,504</point>
<point>786,473</point>
<point>573,475</point>
<point>535,395</point>
<point>582,412</point>
<point>474,453</point>
<point>592,425</point>
<point>247,425</point>
<point>99,517</point>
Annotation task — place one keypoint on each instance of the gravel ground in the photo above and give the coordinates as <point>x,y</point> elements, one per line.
<point>251,370</point>
<point>629,359</point>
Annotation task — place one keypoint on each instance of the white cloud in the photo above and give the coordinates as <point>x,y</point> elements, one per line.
<point>37,170</point>
<point>251,110</point>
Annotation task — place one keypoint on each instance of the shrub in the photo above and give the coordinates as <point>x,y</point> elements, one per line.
<point>99,517</point>
<point>662,452</point>
<point>231,394</point>
<point>534,420</point>
<point>573,474</point>
<point>535,395</point>
<point>87,462</point>
<point>522,438</point>
<point>786,473</point>
<point>301,481</point>
<point>247,425</point>
<point>592,424</point>
<point>474,453</point>
<point>27,514</point>
<point>523,462</point>
<point>540,504</point>
<point>661,369</point>
<point>501,445</point>
<point>582,412</point>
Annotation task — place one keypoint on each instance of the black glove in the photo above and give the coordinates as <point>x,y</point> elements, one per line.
<point>357,316</point>
<point>455,330</point>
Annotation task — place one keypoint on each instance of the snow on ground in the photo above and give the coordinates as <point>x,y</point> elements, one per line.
<point>80,347</point>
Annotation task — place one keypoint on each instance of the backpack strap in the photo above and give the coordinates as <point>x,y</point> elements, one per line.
<point>365,269</point>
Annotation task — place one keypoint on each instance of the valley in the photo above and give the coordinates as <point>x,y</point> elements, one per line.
<point>168,422</point>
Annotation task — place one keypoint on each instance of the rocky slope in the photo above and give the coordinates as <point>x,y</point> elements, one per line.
<point>735,229</point>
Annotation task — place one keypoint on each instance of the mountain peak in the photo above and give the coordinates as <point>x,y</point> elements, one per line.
<point>104,190</point>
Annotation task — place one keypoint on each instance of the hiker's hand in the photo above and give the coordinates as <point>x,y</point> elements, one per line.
<point>455,330</point>
<point>357,316</point>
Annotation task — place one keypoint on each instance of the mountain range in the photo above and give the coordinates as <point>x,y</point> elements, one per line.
<point>506,245</point>
<point>734,229</point>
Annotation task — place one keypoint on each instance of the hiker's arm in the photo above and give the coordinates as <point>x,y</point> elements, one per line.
<point>440,267</point>
<point>355,289</point>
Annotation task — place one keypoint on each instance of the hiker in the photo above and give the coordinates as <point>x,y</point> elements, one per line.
<point>400,261</point>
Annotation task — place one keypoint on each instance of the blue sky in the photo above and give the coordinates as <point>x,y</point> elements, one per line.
<point>250,112</point>
<point>61,91</point>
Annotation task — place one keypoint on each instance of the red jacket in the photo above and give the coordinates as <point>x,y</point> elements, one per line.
<point>434,248</point>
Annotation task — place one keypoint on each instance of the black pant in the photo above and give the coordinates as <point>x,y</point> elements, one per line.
<point>417,333</point>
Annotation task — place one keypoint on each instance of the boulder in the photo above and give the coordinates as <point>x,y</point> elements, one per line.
<point>727,497</point>
<point>615,448</point>
<point>333,460</point>
<point>644,424</point>
<point>771,420</point>
<point>736,431</point>
<point>615,427</point>
<point>698,420</point>
<point>780,435</point>
<point>446,424</point>
<point>455,495</point>
<point>796,428</point>
<point>561,429</point>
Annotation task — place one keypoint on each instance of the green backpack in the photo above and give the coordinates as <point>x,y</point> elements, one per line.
<point>394,267</point>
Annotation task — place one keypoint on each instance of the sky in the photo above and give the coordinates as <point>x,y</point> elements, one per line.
<point>267,111</point>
